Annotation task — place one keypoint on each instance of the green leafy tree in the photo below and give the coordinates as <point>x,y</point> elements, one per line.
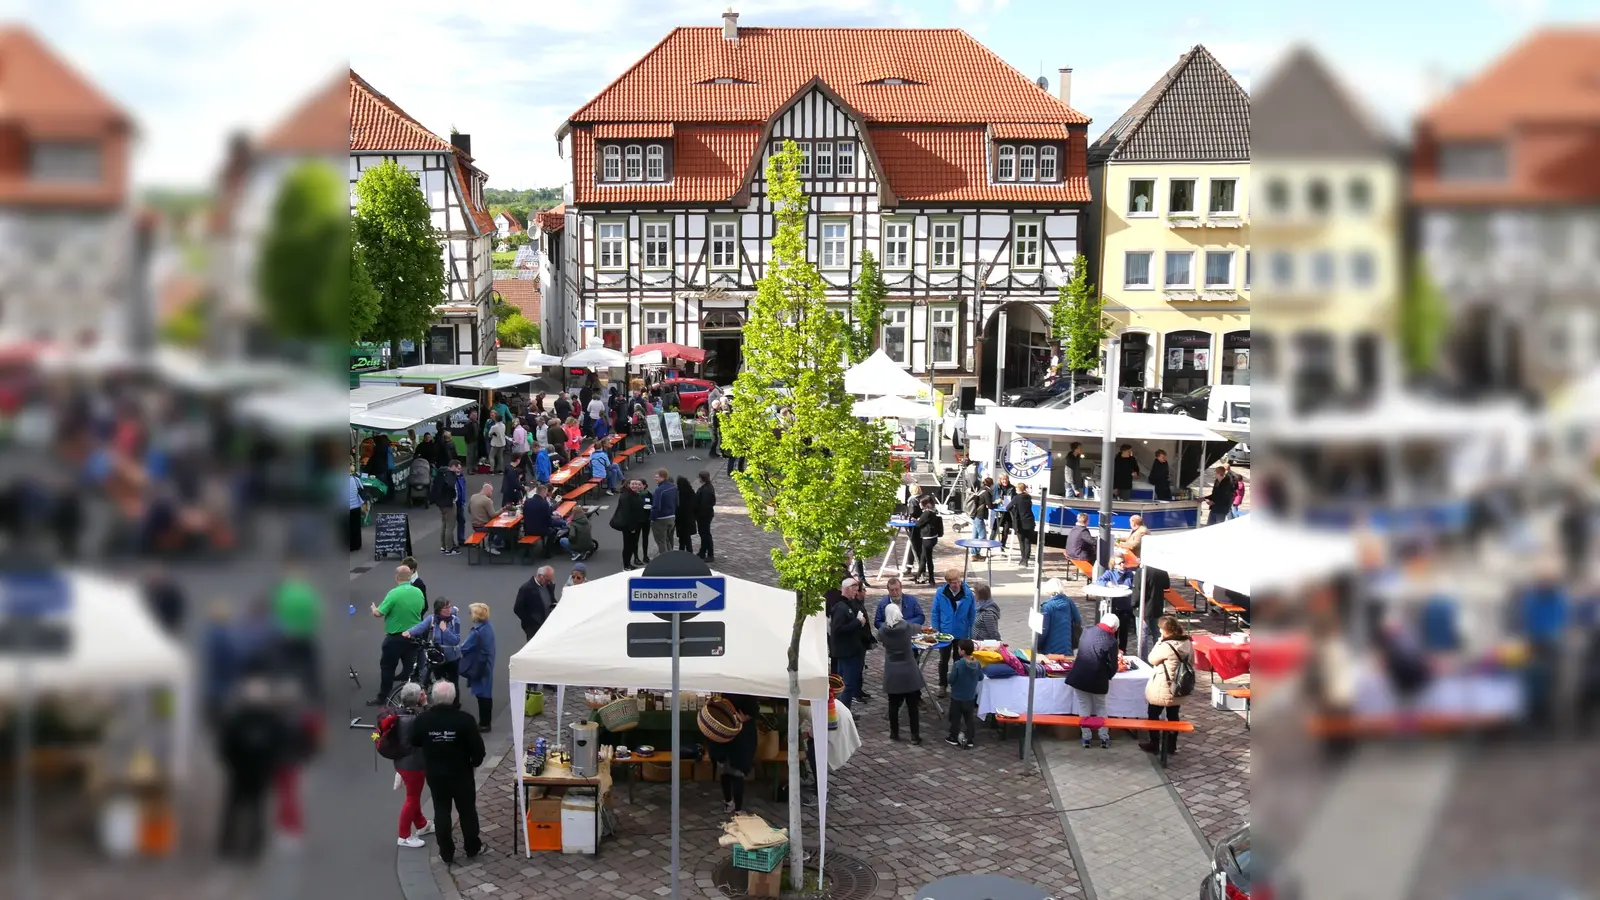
<point>1077,321</point>
<point>401,249</point>
<point>363,296</point>
<point>814,474</point>
<point>1424,316</point>
<point>867,308</point>
<point>302,273</point>
<point>516,331</point>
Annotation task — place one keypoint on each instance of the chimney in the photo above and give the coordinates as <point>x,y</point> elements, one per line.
<point>730,25</point>
<point>1064,88</point>
<point>462,142</point>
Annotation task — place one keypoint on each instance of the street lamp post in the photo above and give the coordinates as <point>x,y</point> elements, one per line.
<point>1108,444</point>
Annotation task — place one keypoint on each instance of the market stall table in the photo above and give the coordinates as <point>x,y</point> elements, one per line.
<point>1052,696</point>
<point>971,544</point>
<point>1106,594</point>
<point>505,526</point>
<point>1223,657</point>
<point>902,529</point>
<point>599,787</point>
<point>925,655</point>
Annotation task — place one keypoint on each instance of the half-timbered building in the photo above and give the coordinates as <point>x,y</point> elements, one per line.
<point>967,181</point>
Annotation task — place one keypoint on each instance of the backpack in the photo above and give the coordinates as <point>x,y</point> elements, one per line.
<point>389,744</point>
<point>1182,676</point>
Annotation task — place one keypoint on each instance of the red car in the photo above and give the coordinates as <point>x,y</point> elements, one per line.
<point>693,393</point>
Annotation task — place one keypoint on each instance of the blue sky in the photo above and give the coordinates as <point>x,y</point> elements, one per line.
<point>191,71</point>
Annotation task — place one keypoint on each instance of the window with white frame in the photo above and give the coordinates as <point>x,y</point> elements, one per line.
<point>612,170</point>
<point>657,325</point>
<point>895,335</point>
<point>633,169</point>
<point>1180,269</point>
<point>655,163</point>
<point>1363,269</point>
<point>946,244</point>
<point>1047,163</point>
<point>1025,245</point>
<point>1027,158</point>
<point>835,245</point>
<point>847,158</point>
<point>613,240</point>
<point>612,324</point>
<point>1219,268</point>
<point>1136,268</point>
<point>1007,169</point>
<point>657,245</point>
<point>1322,269</point>
<point>1358,195</point>
<point>1142,197</point>
<point>1180,196</point>
<point>896,245</point>
<point>724,245</point>
<point>1247,270</point>
<point>823,163</point>
<point>1224,196</point>
<point>805,159</point>
<point>1282,268</point>
<point>1319,198</point>
<point>942,321</point>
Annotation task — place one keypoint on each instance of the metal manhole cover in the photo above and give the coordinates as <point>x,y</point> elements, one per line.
<point>848,879</point>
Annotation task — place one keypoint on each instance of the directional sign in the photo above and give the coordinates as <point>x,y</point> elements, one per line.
<point>677,595</point>
<point>33,614</point>
<point>587,323</point>
<point>653,640</point>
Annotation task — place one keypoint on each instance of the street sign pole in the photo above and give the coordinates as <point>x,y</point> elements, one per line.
<point>1038,582</point>
<point>1108,454</point>
<point>677,754</point>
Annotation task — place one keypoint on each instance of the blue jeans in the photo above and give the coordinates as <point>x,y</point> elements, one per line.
<point>980,530</point>
<point>850,671</point>
<point>461,524</point>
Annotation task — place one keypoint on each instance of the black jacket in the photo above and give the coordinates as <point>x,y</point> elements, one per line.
<point>1222,493</point>
<point>449,739</point>
<point>1022,512</point>
<point>929,526</point>
<point>563,408</point>
<point>442,493</point>
<point>253,741</point>
<point>1095,663</point>
<point>705,502</point>
<point>1161,479</point>
<point>632,512</point>
<point>534,601</point>
<point>1122,473</point>
<point>845,630</point>
<point>1080,543</point>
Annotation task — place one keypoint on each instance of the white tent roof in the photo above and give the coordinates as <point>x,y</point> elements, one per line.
<point>115,642</point>
<point>1253,553</point>
<point>880,376</point>
<point>595,358</point>
<point>649,358</point>
<point>303,409</point>
<point>440,372</point>
<point>495,382</point>
<point>407,412</point>
<point>892,408</point>
<point>584,642</point>
<point>368,396</point>
<point>1400,416</point>
<point>1076,421</point>
<point>535,358</point>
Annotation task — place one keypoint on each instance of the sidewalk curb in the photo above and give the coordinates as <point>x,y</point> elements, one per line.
<point>1172,789</point>
<point>1078,864</point>
<point>424,876</point>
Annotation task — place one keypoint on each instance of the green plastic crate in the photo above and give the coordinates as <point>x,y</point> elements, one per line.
<point>764,859</point>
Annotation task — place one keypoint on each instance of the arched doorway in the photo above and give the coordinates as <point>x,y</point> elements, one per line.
<point>1236,357</point>
<point>722,337</point>
<point>1133,366</point>
<point>1024,347</point>
<point>1186,362</point>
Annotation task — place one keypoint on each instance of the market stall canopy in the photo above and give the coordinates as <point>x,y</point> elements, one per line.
<point>595,358</point>
<point>1400,417</point>
<point>1580,401</point>
<point>585,642</point>
<point>880,376</point>
<point>1076,421</point>
<point>499,381</point>
<point>306,409</point>
<point>201,374</point>
<point>672,351</point>
<point>115,643</point>
<point>535,358</point>
<point>368,396</point>
<point>652,358</point>
<point>408,412</point>
<point>435,373</point>
<point>1252,553</point>
<point>892,408</point>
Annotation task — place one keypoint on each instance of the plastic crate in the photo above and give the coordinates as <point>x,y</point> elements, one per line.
<point>763,859</point>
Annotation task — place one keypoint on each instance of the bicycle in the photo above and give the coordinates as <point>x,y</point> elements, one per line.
<point>426,657</point>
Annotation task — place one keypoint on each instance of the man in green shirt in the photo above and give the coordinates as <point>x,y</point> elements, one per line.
<point>297,610</point>
<point>401,608</point>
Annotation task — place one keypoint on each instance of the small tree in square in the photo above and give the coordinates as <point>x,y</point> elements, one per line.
<point>867,310</point>
<point>401,251</point>
<point>814,474</point>
<point>1077,320</point>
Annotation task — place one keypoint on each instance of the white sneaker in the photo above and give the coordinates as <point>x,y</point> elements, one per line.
<point>412,842</point>
<point>426,829</point>
<point>491,551</point>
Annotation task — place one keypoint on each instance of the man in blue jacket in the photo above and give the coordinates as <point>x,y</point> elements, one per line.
<point>663,511</point>
<point>600,467</point>
<point>1119,575</point>
<point>538,518</point>
<point>1092,671</point>
<point>910,609</point>
<point>1061,620</point>
<point>953,613</point>
<point>541,465</point>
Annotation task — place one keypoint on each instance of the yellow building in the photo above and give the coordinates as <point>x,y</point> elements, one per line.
<point>1328,218</point>
<point>1170,182</point>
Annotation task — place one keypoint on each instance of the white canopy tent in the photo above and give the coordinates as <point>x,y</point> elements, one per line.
<point>1080,420</point>
<point>407,412</point>
<point>535,359</point>
<point>368,396</point>
<point>595,358</point>
<point>115,643</point>
<point>594,616</point>
<point>305,409</point>
<point>1401,417</point>
<point>892,408</point>
<point>499,381</point>
<point>880,376</point>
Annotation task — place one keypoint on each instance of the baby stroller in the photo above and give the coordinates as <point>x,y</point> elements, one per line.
<point>417,482</point>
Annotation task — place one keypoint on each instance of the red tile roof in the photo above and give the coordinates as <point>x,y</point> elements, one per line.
<point>1028,131</point>
<point>39,87</point>
<point>319,125</point>
<point>553,219</point>
<point>479,212</point>
<point>709,166</point>
<point>515,226</point>
<point>377,123</point>
<point>928,164</point>
<point>523,293</point>
<point>1553,76</point>
<point>623,130</point>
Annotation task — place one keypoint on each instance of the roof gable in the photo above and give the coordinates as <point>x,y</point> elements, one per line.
<point>379,124</point>
<point>35,83</point>
<point>1196,112</point>
<point>1553,76</point>
<point>319,125</point>
<point>1301,110</point>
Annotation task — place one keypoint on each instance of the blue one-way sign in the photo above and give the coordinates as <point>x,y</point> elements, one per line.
<point>677,595</point>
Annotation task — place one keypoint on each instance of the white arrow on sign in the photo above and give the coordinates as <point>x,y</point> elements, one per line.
<point>704,594</point>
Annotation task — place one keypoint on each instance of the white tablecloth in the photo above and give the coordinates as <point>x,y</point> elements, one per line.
<point>1469,694</point>
<point>1051,696</point>
<point>842,741</point>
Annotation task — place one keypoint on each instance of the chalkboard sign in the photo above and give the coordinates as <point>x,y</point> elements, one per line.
<point>674,428</point>
<point>653,425</point>
<point>393,535</point>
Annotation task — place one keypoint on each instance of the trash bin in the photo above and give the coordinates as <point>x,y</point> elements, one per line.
<point>577,825</point>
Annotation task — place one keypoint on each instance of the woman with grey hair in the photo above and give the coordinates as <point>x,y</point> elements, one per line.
<point>986,624</point>
<point>410,768</point>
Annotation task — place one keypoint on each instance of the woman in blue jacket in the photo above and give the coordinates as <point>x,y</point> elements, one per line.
<point>444,626</point>
<point>477,662</point>
<point>953,613</point>
<point>1061,620</point>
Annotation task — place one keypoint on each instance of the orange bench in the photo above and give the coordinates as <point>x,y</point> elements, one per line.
<point>624,457</point>
<point>565,509</point>
<point>1401,725</point>
<point>1243,694</point>
<point>1177,602</point>
<point>525,545</point>
<point>474,545</point>
<point>1111,723</point>
<point>1084,566</point>
<point>579,491</point>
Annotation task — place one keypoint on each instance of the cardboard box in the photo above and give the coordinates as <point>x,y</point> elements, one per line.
<point>544,810</point>
<point>765,884</point>
<point>705,770</point>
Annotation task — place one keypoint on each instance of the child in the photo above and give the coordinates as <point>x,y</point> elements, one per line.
<point>964,676</point>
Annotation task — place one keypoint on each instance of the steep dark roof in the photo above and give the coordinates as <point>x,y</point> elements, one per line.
<point>1302,111</point>
<point>1196,112</point>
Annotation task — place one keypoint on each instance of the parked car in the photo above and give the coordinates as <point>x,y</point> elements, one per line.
<point>1035,395</point>
<point>693,393</point>
<point>1239,455</point>
<point>1062,401</point>
<point>1209,403</point>
<point>954,424</point>
<point>1230,869</point>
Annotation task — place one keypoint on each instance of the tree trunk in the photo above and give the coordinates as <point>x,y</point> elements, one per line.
<point>796,844</point>
<point>394,353</point>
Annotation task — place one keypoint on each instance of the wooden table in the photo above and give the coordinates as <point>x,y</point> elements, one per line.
<point>601,785</point>
<point>505,525</point>
<point>564,474</point>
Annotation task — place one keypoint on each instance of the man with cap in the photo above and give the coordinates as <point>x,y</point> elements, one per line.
<point>847,639</point>
<point>580,574</point>
<point>1091,673</point>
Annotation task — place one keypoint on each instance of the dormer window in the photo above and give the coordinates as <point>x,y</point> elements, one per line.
<point>655,164</point>
<point>1047,163</point>
<point>1027,162</point>
<point>612,170</point>
<point>633,167</point>
<point>1026,159</point>
<point>893,81</point>
<point>635,162</point>
<point>1008,164</point>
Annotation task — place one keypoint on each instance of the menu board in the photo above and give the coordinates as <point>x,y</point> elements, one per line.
<point>392,535</point>
<point>653,425</point>
<point>674,427</point>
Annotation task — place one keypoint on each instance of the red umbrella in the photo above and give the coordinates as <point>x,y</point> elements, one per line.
<point>672,351</point>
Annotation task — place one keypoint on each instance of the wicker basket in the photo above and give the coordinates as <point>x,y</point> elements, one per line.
<point>597,699</point>
<point>620,715</point>
<point>719,721</point>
